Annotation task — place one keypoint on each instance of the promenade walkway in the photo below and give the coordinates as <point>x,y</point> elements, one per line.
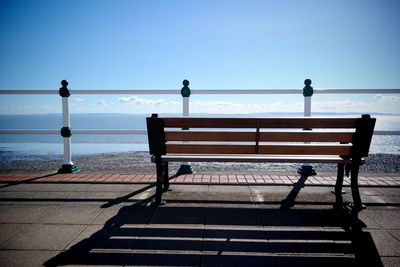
<point>90,219</point>
<point>214,178</point>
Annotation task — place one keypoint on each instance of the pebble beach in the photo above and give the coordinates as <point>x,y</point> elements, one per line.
<point>139,162</point>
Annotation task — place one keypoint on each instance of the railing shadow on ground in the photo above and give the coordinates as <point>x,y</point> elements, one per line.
<point>202,235</point>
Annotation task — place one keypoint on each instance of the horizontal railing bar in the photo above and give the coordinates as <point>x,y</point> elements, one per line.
<point>203,92</point>
<point>357,91</point>
<point>90,92</point>
<point>126,92</point>
<point>109,131</point>
<point>124,132</point>
<point>73,132</point>
<point>246,91</point>
<point>29,92</point>
<point>386,132</point>
<point>30,132</point>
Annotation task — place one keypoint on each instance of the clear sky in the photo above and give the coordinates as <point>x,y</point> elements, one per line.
<point>97,44</point>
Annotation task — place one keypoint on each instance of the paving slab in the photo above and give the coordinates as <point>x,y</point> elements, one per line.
<point>229,197</point>
<point>189,188</point>
<point>177,197</point>
<point>71,214</point>
<point>7,231</point>
<point>220,240</point>
<point>92,196</point>
<point>391,261</point>
<point>232,259</point>
<point>228,189</point>
<point>23,213</point>
<point>386,218</point>
<point>166,258</point>
<point>386,244</point>
<point>12,258</point>
<point>106,214</point>
<point>316,261</point>
<point>53,196</point>
<point>44,237</point>
<point>178,215</point>
<point>395,233</point>
<point>238,215</point>
<point>121,215</point>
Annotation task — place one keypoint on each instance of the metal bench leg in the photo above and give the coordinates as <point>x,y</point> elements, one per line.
<point>339,186</point>
<point>159,167</point>
<point>357,206</point>
<point>165,176</point>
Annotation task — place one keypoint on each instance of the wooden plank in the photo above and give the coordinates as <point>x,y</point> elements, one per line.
<point>210,122</point>
<point>308,136</point>
<point>211,136</point>
<point>306,149</point>
<point>189,122</point>
<point>308,123</point>
<point>300,149</point>
<point>298,136</point>
<point>251,158</point>
<point>210,149</point>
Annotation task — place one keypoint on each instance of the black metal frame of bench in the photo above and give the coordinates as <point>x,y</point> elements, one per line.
<point>343,141</point>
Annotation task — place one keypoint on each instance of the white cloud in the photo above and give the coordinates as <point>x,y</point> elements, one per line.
<point>233,107</point>
<point>78,100</point>
<point>391,99</point>
<point>102,103</point>
<point>341,106</point>
<point>137,101</point>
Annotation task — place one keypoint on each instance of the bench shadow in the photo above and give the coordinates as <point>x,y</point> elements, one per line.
<point>208,235</point>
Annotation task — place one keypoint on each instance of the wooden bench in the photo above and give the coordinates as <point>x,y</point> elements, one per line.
<point>341,141</point>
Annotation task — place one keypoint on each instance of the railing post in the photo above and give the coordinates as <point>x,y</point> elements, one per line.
<point>307,169</point>
<point>186,167</point>
<point>67,166</point>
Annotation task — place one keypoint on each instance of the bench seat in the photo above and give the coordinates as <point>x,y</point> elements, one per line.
<point>255,158</point>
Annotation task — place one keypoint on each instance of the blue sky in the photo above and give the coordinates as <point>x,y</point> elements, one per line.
<point>214,44</point>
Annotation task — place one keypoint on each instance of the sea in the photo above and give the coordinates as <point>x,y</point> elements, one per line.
<point>32,147</point>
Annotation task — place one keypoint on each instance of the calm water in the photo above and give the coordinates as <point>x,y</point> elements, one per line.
<point>30,146</point>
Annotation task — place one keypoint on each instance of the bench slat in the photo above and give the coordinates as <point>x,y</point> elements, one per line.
<point>211,136</point>
<point>254,158</point>
<point>300,149</point>
<point>210,123</point>
<point>308,123</point>
<point>306,137</point>
<point>210,149</point>
<point>261,122</point>
<point>226,136</point>
<point>306,149</point>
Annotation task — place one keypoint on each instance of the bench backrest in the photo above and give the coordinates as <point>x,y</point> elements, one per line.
<point>347,137</point>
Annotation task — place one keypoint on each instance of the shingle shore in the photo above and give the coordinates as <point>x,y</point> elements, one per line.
<point>139,162</point>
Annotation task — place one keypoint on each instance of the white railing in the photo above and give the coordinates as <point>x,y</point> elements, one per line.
<point>67,163</point>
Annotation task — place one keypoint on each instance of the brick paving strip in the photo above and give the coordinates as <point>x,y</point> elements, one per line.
<point>250,179</point>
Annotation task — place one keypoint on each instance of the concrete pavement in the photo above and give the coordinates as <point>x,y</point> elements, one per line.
<point>115,224</point>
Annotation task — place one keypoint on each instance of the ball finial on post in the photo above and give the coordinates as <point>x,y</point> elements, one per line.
<point>64,83</point>
<point>64,92</point>
<point>185,91</point>
<point>308,90</point>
